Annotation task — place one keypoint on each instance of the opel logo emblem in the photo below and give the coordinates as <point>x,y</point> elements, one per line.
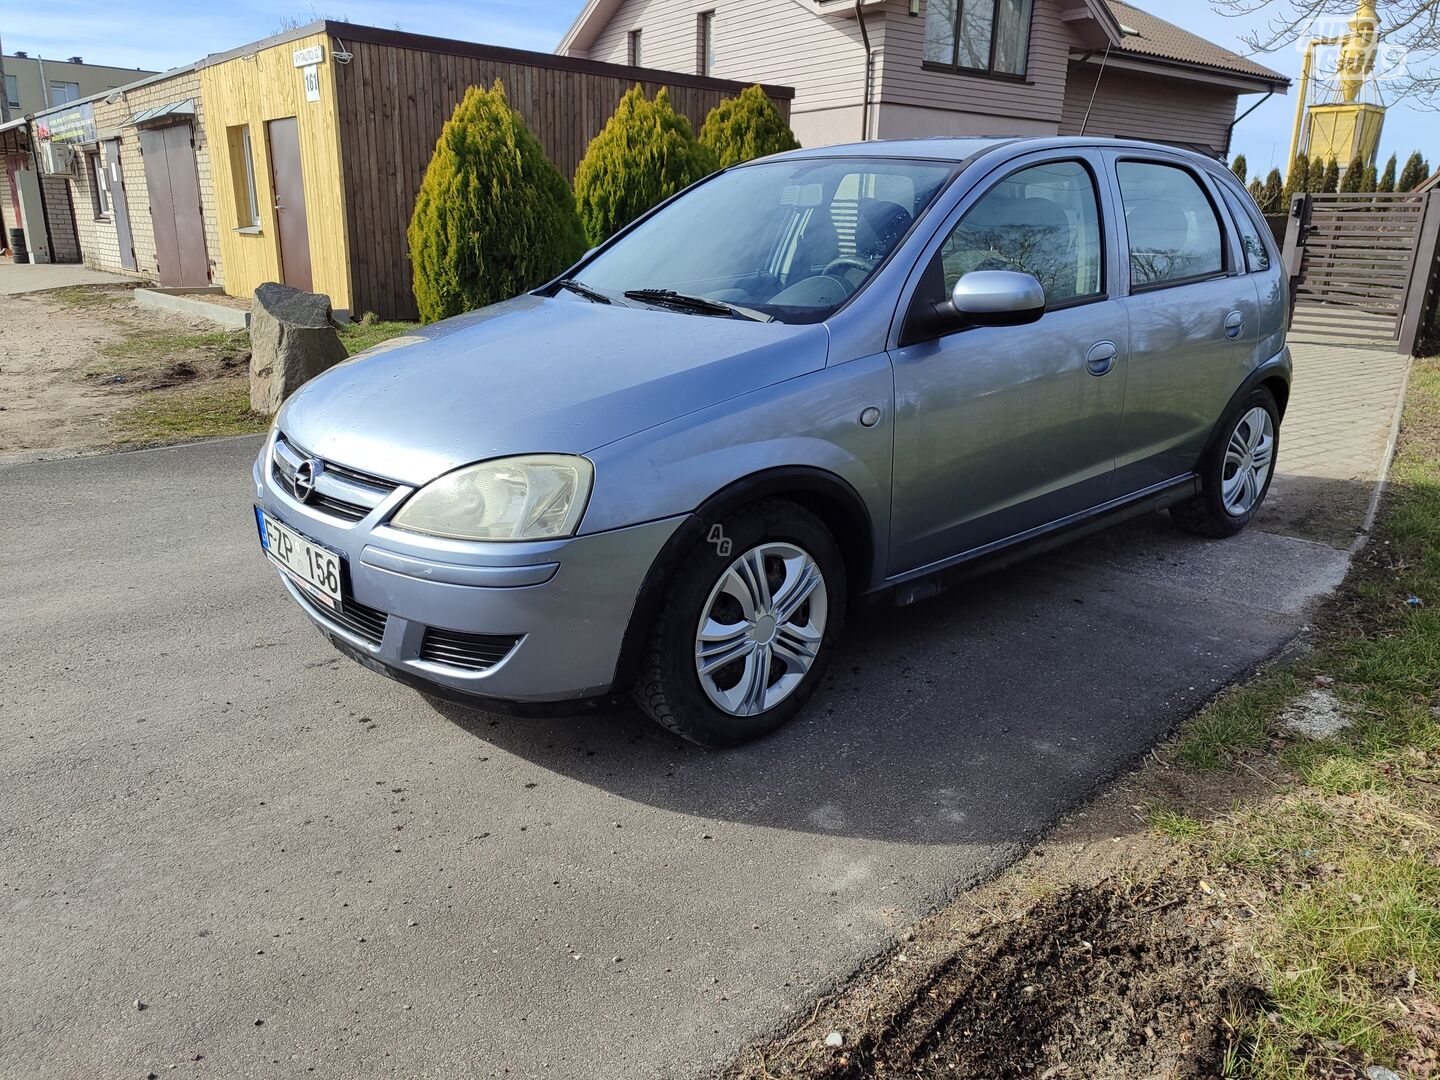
<point>306,473</point>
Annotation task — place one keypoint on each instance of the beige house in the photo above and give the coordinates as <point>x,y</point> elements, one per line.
<point>906,68</point>
<point>33,83</point>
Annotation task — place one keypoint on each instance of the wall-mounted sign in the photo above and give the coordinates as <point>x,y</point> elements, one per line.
<point>312,83</point>
<point>315,54</point>
<point>73,125</point>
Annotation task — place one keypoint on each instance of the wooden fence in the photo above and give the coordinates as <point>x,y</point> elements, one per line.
<point>396,90</point>
<point>1364,262</point>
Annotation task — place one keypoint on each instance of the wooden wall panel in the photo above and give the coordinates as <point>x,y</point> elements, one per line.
<point>393,99</point>
<point>250,89</point>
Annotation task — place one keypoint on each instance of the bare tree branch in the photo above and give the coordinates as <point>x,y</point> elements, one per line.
<point>1408,57</point>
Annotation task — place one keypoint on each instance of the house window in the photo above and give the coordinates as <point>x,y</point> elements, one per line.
<point>61,92</point>
<point>705,43</point>
<point>632,55</point>
<point>100,184</point>
<point>979,35</point>
<point>12,91</point>
<point>1174,234</point>
<point>242,174</point>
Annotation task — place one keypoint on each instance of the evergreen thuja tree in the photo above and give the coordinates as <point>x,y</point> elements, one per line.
<point>1387,180</point>
<point>1415,173</point>
<point>1371,180</point>
<point>1354,179</point>
<point>1331,182</point>
<point>1240,167</point>
<point>493,217</point>
<point>1298,180</point>
<point>645,153</point>
<point>1274,194</point>
<point>1257,192</point>
<point>746,127</point>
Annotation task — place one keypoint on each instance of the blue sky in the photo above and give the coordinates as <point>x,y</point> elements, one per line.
<point>167,33</point>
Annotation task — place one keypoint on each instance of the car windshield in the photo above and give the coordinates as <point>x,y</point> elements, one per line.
<point>791,240</point>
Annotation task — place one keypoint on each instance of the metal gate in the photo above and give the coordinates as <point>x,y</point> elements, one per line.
<point>1362,266</point>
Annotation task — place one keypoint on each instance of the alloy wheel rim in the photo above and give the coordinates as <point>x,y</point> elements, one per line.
<point>761,628</point>
<point>1249,457</point>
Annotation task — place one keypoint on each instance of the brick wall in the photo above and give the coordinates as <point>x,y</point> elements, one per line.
<point>98,238</point>
<point>64,243</point>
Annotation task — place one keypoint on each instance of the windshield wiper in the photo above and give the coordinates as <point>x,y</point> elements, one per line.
<point>700,304</point>
<point>595,296</point>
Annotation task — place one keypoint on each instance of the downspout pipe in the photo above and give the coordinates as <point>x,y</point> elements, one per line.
<point>1230,131</point>
<point>869,71</point>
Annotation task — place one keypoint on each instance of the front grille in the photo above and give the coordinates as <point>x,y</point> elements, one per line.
<point>364,622</point>
<point>342,492</point>
<point>473,652</point>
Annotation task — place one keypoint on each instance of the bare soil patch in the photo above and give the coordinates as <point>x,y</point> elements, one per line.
<point>75,361</point>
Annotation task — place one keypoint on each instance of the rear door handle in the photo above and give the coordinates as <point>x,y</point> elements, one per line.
<point>1101,358</point>
<point>1234,323</point>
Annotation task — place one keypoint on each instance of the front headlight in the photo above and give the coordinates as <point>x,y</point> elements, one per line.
<point>532,497</point>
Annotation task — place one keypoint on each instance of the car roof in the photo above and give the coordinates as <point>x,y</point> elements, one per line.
<point>946,148</point>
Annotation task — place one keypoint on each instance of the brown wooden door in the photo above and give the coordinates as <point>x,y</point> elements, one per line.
<point>119,203</point>
<point>289,188</point>
<point>175,215</point>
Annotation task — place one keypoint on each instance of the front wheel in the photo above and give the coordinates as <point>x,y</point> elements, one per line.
<point>747,628</point>
<point>1237,470</point>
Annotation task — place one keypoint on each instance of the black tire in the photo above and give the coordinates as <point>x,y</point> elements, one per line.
<point>668,688</point>
<point>1205,514</point>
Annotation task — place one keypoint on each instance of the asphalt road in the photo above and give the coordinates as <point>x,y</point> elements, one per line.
<point>301,868</point>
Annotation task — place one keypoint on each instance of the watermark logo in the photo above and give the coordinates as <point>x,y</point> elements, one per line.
<point>1389,61</point>
<point>720,540</point>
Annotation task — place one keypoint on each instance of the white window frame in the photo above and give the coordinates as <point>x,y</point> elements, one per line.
<point>705,43</point>
<point>100,177</point>
<point>249,163</point>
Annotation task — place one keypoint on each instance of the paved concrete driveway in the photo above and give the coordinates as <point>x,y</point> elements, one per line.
<point>17,278</point>
<point>298,866</point>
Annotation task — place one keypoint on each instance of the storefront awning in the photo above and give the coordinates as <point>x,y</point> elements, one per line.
<point>174,110</point>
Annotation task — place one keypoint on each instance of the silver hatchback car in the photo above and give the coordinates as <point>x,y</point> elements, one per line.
<point>831,376</point>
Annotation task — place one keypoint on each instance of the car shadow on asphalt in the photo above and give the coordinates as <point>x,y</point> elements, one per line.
<point>972,718</point>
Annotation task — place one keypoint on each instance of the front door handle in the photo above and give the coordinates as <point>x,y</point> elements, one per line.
<point>1101,358</point>
<point>1234,324</point>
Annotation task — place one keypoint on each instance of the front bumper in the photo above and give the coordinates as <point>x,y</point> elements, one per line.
<point>565,603</point>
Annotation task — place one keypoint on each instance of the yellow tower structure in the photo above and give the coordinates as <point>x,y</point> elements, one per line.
<point>1348,127</point>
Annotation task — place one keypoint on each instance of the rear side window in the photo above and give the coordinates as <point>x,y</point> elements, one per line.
<point>1174,233</point>
<point>1257,255</point>
<point>1044,221</point>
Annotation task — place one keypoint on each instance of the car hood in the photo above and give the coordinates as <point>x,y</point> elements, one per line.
<point>535,375</point>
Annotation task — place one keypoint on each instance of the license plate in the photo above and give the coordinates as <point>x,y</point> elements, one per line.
<point>313,568</point>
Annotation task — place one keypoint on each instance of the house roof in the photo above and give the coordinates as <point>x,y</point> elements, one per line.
<point>1148,35</point>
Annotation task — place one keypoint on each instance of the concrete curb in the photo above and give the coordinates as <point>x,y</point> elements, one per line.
<point>1382,481</point>
<point>185,302</point>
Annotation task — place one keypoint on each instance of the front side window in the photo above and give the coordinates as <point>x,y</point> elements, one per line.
<point>791,240</point>
<point>61,92</point>
<point>1174,233</point>
<point>1043,221</point>
<point>979,35</point>
<point>1257,255</point>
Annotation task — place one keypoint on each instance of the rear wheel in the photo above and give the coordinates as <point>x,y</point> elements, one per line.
<point>1237,470</point>
<point>747,628</point>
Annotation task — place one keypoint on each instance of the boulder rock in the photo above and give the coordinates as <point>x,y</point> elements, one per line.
<point>291,341</point>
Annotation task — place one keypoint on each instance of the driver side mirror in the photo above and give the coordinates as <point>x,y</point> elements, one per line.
<point>992,298</point>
